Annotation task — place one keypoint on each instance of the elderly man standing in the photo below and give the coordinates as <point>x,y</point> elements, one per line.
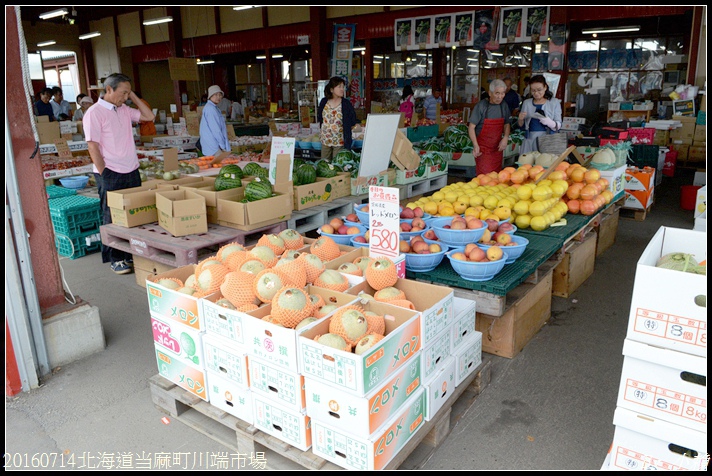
<point>489,129</point>
<point>108,129</point>
<point>213,131</point>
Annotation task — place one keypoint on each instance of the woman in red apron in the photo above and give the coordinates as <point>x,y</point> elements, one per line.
<point>489,128</point>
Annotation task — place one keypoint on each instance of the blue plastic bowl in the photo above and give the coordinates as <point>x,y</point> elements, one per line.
<point>343,239</point>
<point>512,231</point>
<point>75,182</point>
<point>354,223</point>
<point>511,253</point>
<point>362,216</point>
<point>407,235</point>
<point>357,244</point>
<point>422,263</point>
<point>455,238</point>
<point>475,270</point>
<point>304,145</point>
<point>425,217</point>
<point>316,145</point>
<point>357,144</point>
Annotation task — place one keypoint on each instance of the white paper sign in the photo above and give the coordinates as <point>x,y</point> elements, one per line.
<point>280,145</point>
<point>384,218</point>
<point>378,142</point>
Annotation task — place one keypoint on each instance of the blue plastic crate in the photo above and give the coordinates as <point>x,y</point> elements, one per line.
<point>55,191</point>
<point>74,247</point>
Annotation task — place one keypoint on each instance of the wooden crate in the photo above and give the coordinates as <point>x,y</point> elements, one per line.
<point>144,267</point>
<point>529,310</point>
<point>607,230</point>
<point>575,267</point>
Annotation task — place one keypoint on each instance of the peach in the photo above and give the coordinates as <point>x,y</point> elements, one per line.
<point>419,247</point>
<point>476,254</point>
<point>430,234</point>
<point>494,253</point>
<point>404,247</point>
<point>415,238</point>
<point>353,230</point>
<point>405,227</point>
<point>492,224</point>
<point>469,247</point>
<point>434,248</point>
<point>505,226</point>
<point>418,212</point>
<point>459,256</point>
<point>360,239</point>
<point>407,213</point>
<point>343,229</point>
<point>458,225</point>
<point>352,217</point>
<point>367,236</point>
<point>327,229</point>
<point>418,222</point>
<point>502,238</point>
<point>475,224</point>
<point>336,222</point>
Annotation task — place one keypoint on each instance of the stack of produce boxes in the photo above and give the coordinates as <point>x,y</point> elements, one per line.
<point>178,330</point>
<point>661,415</point>
<point>639,187</point>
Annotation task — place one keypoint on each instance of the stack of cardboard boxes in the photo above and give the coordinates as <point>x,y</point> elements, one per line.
<point>639,187</point>
<point>661,415</point>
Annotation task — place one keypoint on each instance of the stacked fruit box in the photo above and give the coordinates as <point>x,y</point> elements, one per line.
<point>661,415</point>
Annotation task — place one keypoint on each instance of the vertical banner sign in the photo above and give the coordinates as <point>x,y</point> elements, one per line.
<point>384,218</point>
<point>557,46</point>
<point>280,145</point>
<point>343,46</point>
<point>355,88</point>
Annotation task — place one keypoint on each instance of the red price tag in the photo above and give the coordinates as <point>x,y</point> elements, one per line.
<point>384,219</point>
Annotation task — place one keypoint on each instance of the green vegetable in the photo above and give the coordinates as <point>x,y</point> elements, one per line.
<point>258,189</point>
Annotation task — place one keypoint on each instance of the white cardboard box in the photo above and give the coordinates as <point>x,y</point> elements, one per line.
<point>227,359</point>
<point>616,179</point>
<point>440,388</point>
<point>701,222</point>
<point>359,374</point>
<point>645,443</point>
<point>290,426</point>
<point>179,341</point>
<point>375,452</point>
<point>464,322</point>
<point>362,416</point>
<point>277,384</point>
<point>701,201</point>
<point>663,310</point>
<point>664,384</point>
<point>173,305</point>
<point>230,397</point>
<point>435,354</point>
<point>188,377</point>
<point>468,357</point>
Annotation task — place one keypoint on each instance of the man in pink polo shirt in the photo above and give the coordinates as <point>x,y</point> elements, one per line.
<point>108,129</point>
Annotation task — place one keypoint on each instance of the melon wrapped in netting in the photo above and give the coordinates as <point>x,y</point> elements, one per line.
<point>234,260</point>
<point>248,307</point>
<point>376,323</point>
<point>325,248</point>
<point>681,262</point>
<point>170,283</point>
<point>381,273</point>
<point>275,242</point>
<point>350,323</point>
<point>227,250</point>
<point>313,266</point>
<point>237,287</point>
<point>264,253</point>
<point>294,271</point>
<point>332,279</point>
<point>388,294</point>
<point>402,303</point>
<point>293,240</point>
<point>205,262</point>
<point>317,302</point>
<point>211,277</point>
<point>290,305</point>
<point>267,283</point>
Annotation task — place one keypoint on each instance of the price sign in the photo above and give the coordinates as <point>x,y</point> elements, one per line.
<point>273,107</point>
<point>280,145</point>
<point>384,217</point>
<point>63,148</point>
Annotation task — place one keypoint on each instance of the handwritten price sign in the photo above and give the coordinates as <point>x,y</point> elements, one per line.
<point>280,145</point>
<point>384,217</point>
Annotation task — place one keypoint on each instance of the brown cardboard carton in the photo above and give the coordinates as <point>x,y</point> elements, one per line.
<point>48,131</point>
<point>403,155</point>
<point>133,206</point>
<point>181,212</point>
<point>207,190</point>
<point>697,154</point>
<point>700,133</point>
<point>251,215</point>
<point>313,194</point>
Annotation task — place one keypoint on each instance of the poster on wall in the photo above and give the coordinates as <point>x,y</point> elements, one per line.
<point>343,45</point>
<point>463,29</point>
<point>557,46</point>
<point>424,33</point>
<point>493,44</point>
<point>523,24</point>
<point>482,33</point>
<point>403,34</point>
<point>443,31</point>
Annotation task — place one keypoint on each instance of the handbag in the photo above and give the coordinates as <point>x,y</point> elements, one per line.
<point>555,143</point>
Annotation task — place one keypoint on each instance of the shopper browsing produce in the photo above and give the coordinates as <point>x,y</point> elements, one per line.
<point>540,115</point>
<point>213,131</point>
<point>336,116</point>
<point>489,128</point>
<point>42,105</point>
<point>431,102</point>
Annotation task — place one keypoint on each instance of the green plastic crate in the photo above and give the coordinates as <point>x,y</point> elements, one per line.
<point>77,246</point>
<point>55,191</point>
<point>76,214</point>
<point>645,155</point>
<point>420,133</point>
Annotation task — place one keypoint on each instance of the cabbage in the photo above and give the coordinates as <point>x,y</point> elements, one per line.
<point>545,160</point>
<point>528,158</point>
<point>681,262</point>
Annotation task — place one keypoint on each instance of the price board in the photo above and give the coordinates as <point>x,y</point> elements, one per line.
<point>384,219</point>
<point>280,145</point>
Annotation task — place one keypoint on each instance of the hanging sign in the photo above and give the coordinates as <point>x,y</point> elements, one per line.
<point>183,69</point>
<point>384,220</point>
<point>344,35</point>
<point>280,145</point>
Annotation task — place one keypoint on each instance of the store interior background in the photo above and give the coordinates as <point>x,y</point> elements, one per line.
<point>270,54</point>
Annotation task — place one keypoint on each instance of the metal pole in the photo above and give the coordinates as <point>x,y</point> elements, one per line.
<point>21,302</point>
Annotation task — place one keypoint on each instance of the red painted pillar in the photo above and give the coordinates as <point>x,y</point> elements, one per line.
<point>45,262</point>
<point>13,382</point>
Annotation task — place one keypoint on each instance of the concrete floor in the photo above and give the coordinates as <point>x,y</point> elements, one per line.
<point>549,408</point>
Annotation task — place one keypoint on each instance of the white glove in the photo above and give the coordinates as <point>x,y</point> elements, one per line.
<point>550,123</point>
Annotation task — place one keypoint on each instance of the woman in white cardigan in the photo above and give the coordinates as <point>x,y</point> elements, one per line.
<point>542,103</point>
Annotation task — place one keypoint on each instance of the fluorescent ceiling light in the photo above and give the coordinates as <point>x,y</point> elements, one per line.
<point>613,29</point>
<point>47,43</point>
<point>421,54</point>
<point>206,62</point>
<point>278,56</point>
<point>54,13</point>
<point>86,36</point>
<point>359,48</point>
<point>156,21</point>
<point>494,53</point>
<point>261,57</point>
<point>244,7</point>
<point>379,57</point>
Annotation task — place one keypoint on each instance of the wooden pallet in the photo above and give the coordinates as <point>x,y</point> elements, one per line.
<point>240,436</point>
<point>634,213</point>
<point>155,243</point>
<point>312,218</point>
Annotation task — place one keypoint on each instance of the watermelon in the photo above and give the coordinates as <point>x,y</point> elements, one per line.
<point>253,168</point>
<point>230,176</point>
<point>327,170</point>
<point>258,189</point>
<point>305,174</point>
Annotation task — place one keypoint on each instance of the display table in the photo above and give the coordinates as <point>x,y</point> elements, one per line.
<point>242,129</point>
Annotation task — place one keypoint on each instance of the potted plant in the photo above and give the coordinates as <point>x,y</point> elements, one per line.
<point>535,21</point>
<point>512,23</point>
